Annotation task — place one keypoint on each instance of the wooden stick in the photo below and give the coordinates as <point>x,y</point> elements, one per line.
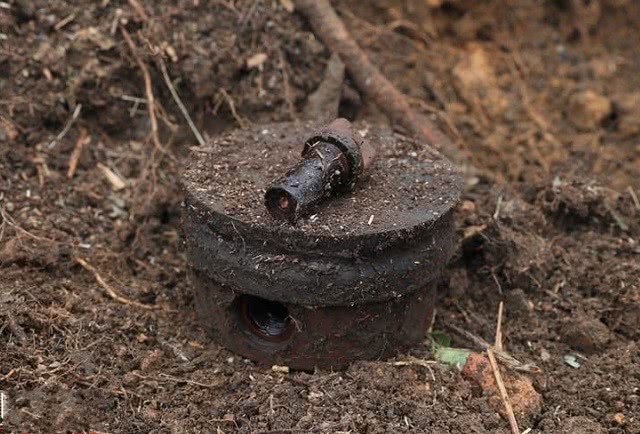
<point>178,101</point>
<point>67,127</point>
<point>498,342</point>
<point>503,392</point>
<point>109,289</point>
<point>77,151</point>
<point>507,359</point>
<point>151,106</point>
<point>116,181</point>
<point>332,31</point>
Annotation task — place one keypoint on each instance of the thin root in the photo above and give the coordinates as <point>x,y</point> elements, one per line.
<point>111,292</point>
<point>503,392</point>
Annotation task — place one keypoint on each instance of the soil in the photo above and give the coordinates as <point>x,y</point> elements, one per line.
<point>543,96</point>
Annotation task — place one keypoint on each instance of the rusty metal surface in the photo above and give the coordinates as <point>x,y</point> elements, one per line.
<point>317,295</point>
<point>332,161</point>
<point>323,171</point>
<point>323,337</point>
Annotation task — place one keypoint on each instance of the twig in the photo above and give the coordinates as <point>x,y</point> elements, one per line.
<point>77,151</point>
<point>506,358</point>
<point>232,107</point>
<point>65,21</point>
<point>6,218</point>
<point>498,342</point>
<point>116,181</point>
<point>151,108</point>
<point>176,380</point>
<point>9,375</point>
<point>503,392</point>
<point>496,213</point>
<point>634,197</point>
<point>67,127</point>
<point>332,31</point>
<point>413,361</point>
<point>109,289</point>
<point>176,98</point>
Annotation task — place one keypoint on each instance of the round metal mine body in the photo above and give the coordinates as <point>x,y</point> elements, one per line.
<point>354,280</point>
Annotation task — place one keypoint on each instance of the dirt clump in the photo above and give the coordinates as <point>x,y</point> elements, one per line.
<point>585,334</point>
<point>524,399</point>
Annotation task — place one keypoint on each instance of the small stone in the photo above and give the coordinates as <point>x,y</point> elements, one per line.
<point>628,111</point>
<point>587,109</point>
<point>280,369</point>
<point>588,335</point>
<point>618,418</point>
<point>467,206</point>
<point>525,400</point>
<point>582,425</point>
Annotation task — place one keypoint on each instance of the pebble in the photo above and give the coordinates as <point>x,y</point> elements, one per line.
<point>588,335</point>
<point>587,109</point>
<point>628,109</point>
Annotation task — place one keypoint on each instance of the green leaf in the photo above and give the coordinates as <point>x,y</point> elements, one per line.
<point>452,356</point>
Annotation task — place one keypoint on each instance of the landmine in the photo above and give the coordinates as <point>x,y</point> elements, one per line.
<point>354,280</point>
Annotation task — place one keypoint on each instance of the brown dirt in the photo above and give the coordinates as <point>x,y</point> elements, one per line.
<point>549,220</point>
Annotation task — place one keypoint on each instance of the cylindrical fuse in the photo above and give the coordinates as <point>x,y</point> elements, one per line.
<point>332,160</point>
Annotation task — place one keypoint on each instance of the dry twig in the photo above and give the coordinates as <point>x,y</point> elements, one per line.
<point>232,106</point>
<point>116,181</point>
<point>181,106</point>
<point>498,376</point>
<point>111,292</point>
<point>151,106</point>
<point>507,359</point>
<point>414,361</point>
<point>634,197</point>
<point>67,127</point>
<point>77,151</point>
<point>498,343</point>
<point>332,31</point>
<point>7,219</point>
<point>503,392</point>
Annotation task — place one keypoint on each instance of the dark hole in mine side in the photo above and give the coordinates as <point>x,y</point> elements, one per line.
<point>266,319</point>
